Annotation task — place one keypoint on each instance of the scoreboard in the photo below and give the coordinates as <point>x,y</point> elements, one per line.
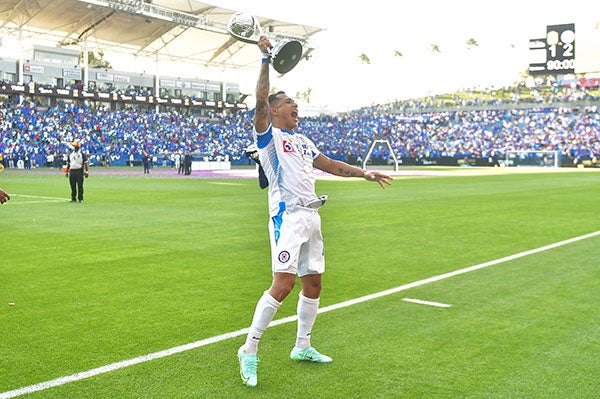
<point>554,54</point>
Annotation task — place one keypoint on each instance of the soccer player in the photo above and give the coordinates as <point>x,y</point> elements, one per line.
<point>3,196</point>
<point>288,159</point>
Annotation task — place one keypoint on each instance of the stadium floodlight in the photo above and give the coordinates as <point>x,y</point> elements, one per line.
<point>149,10</point>
<point>132,6</point>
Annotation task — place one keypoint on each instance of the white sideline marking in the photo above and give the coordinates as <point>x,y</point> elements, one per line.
<point>43,199</point>
<point>203,342</point>
<point>35,196</point>
<point>429,303</point>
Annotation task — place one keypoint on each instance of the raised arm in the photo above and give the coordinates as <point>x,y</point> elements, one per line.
<point>261,112</point>
<point>343,169</point>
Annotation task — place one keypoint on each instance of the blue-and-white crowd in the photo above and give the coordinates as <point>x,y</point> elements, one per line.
<point>32,136</point>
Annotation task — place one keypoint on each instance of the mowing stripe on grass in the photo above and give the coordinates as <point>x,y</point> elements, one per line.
<point>218,338</point>
<point>428,303</point>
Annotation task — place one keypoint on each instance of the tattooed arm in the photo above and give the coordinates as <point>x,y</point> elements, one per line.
<point>340,168</point>
<point>261,112</point>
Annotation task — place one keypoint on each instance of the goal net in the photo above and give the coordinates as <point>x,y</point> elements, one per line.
<point>375,144</point>
<point>540,158</point>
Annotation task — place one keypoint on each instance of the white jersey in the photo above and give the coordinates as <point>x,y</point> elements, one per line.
<point>287,159</point>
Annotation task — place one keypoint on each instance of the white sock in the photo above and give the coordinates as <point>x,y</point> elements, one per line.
<point>263,314</point>
<point>307,313</point>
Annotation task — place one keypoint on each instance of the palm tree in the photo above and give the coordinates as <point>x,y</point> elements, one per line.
<point>305,95</point>
<point>98,61</point>
<point>472,43</point>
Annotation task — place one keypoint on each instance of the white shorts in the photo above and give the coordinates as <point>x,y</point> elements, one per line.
<point>297,242</point>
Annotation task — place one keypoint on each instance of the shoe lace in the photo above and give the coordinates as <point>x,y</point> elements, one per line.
<point>309,353</point>
<point>250,364</point>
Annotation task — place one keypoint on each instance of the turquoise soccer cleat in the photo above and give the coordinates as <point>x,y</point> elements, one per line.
<point>309,354</point>
<point>248,365</point>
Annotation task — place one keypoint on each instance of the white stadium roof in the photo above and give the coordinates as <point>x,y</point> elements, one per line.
<point>176,30</point>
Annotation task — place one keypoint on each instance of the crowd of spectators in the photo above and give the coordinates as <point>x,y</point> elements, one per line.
<point>476,133</point>
<point>553,95</point>
<point>113,136</point>
<point>34,136</point>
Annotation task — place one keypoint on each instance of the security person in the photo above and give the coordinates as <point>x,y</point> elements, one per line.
<point>77,169</point>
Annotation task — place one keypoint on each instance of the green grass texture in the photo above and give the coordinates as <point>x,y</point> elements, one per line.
<point>150,263</point>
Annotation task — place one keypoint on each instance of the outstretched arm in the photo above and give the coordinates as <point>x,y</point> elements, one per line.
<point>261,112</point>
<point>340,168</point>
<point>3,196</point>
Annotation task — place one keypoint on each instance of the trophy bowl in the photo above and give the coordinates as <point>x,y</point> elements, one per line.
<point>244,27</point>
<point>285,54</point>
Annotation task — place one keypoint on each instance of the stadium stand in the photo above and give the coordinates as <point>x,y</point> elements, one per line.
<point>440,137</point>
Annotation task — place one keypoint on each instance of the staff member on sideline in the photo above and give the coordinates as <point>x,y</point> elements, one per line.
<point>3,196</point>
<point>77,169</point>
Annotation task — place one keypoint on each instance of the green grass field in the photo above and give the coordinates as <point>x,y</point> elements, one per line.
<point>147,264</point>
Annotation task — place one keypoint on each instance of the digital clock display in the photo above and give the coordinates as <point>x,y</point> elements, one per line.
<point>556,50</point>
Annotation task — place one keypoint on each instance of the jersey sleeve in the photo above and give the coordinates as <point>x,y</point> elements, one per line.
<point>264,138</point>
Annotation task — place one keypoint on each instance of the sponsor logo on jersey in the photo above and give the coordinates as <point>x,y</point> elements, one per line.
<point>288,146</point>
<point>284,256</point>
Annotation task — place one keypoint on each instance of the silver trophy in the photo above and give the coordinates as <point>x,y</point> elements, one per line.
<point>284,54</point>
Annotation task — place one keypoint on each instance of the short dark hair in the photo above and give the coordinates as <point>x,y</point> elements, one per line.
<point>273,97</point>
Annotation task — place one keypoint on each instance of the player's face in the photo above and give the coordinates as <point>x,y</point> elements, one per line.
<point>285,113</point>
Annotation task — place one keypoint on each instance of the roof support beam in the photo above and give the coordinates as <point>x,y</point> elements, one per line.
<point>86,26</point>
<point>24,10</point>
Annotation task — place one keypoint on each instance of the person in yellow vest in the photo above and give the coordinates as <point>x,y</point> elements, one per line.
<point>77,169</point>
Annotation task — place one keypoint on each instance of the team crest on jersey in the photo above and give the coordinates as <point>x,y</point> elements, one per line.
<point>288,146</point>
<point>284,256</point>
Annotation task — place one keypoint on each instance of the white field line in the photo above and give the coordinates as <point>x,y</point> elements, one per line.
<point>42,199</point>
<point>218,338</point>
<point>36,202</point>
<point>428,303</point>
